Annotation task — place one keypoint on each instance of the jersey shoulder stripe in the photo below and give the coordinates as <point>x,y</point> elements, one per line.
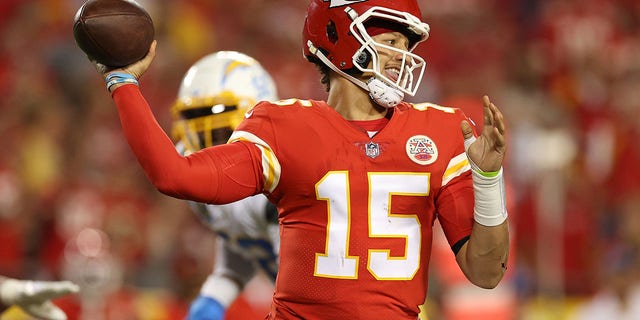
<point>270,164</point>
<point>292,102</point>
<point>456,167</point>
<point>428,105</point>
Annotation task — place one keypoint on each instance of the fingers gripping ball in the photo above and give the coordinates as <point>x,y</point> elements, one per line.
<point>114,33</point>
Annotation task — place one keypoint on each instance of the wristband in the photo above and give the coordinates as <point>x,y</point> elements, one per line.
<point>220,288</point>
<point>490,202</point>
<point>490,207</point>
<point>119,77</point>
<point>489,174</point>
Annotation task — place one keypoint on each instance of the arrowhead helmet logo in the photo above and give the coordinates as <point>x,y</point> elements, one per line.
<point>338,3</point>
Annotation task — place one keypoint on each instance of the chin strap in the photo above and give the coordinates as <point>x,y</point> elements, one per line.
<point>328,63</point>
<point>383,94</point>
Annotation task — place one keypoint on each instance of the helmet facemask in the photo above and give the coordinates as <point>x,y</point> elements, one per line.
<point>412,66</point>
<point>214,96</point>
<point>330,46</point>
<point>201,123</point>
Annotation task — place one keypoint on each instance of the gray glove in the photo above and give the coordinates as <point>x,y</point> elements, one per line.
<point>34,297</point>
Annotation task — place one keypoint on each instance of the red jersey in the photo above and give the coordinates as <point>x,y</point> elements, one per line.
<point>356,213</point>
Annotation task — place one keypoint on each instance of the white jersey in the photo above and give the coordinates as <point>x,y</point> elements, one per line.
<point>248,241</point>
<point>249,228</point>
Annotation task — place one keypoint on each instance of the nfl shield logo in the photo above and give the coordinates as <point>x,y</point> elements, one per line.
<point>372,150</point>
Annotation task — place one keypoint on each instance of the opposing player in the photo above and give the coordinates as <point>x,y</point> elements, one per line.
<point>34,297</point>
<point>214,95</point>
<point>359,179</point>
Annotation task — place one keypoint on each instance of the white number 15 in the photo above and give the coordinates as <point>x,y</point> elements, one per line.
<point>335,261</point>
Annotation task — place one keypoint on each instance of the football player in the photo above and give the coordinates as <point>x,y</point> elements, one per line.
<point>358,179</point>
<point>34,297</point>
<point>214,96</point>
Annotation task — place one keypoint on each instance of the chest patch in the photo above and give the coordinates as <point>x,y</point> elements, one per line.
<point>422,150</point>
<point>372,150</point>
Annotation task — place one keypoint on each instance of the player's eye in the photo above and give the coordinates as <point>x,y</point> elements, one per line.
<point>393,40</point>
<point>388,40</point>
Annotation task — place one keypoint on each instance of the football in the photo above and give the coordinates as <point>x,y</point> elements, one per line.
<point>114,33</point>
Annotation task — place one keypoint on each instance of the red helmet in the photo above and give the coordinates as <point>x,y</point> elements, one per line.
<point>337,30</point>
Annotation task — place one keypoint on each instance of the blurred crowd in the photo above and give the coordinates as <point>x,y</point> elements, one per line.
<point>74,203</point>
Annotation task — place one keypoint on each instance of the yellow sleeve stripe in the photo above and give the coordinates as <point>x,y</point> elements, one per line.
<point>270,164</point>
<point>457,166</point>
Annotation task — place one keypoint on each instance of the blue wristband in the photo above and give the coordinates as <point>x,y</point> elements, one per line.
<point>205,308</point>
<point>119,77</point>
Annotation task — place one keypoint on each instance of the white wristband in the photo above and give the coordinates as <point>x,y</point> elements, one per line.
<point>221,289</point>
<point>490,203</point>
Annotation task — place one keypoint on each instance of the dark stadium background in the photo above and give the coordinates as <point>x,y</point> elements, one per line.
<point>74,203</point>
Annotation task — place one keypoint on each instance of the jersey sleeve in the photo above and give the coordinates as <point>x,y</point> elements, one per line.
<point>258,129</point>
<point>219,174</point>
<point>455,200</point>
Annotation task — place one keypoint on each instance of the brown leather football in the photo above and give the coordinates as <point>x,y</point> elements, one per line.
<point>115,33</point>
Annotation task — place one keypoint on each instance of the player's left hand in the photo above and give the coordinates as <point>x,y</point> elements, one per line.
<point>488,150</point>
<point>34,297</point>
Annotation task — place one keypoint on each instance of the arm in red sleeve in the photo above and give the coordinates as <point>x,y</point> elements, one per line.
<point>455,210</point>
<point>219,174</point>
